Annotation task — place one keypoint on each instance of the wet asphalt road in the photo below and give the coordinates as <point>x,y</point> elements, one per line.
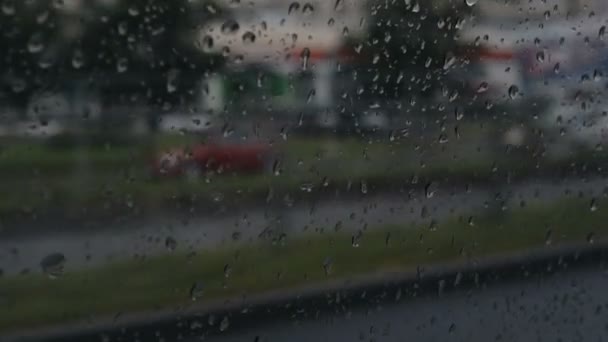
<point>567,306</point>
<point>88,248</point>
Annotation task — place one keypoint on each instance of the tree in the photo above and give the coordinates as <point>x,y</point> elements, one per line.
<point>408,44</point>
<point>134,51</point>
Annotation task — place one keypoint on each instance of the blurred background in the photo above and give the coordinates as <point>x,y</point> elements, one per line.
<point>157,156</point>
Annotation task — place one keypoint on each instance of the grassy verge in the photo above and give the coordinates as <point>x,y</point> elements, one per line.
<point>112,179</point>
<point>39,176</point>
<point>164,282</point>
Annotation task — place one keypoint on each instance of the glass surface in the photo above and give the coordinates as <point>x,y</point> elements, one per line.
<point>303,170</point>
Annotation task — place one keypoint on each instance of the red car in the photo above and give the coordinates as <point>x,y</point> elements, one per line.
<point>222,157</point>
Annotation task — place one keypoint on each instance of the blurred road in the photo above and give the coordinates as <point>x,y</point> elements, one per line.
<point>89,247</point>
<point>566,306</point>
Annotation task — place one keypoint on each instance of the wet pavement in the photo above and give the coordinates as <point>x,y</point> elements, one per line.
<point>567,306</point>
<point>87,248</point>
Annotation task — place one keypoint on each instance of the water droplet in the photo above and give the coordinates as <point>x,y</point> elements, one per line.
<point>230,27</point>
<point>196,291</point>
<point>305,56</point>
<point>593,205</point>
<point>122,65</point>
<point>338,5</point>
<point>207,42</point>
<point>311,95</point>
<point>540,56</point>
<point>172,79</point>
<point>345,31</point>
<point>470,3</point>
<point>306,187</point>
<point>597,75</point>
<point>556,68</point>
<point>227,271</point>
<point>356,239</point>
<point>53,264</point>
<point>123,28</point>
<point>133,11</point>
<point>430,189</point>
<point>308,9</point>
<point>35,43</point>
<point>602,32</point>
<point>364,187</point>
<point>458,114</point>
<point>449,61</point>
<point>549,237</point>
<point>513,92</point>
<point>211,8</point>
<point>42,17</point>
<point>170,243</point>
<point>225,51</point>
<point>328,265</point>
<point>224,324</point>
<point>483,87</point>
<point>294,6</point>
<point>18,85</point>
<point>248,37</point>
<point>8,7</point>
<point>591,237</point>
<point>78,59</point>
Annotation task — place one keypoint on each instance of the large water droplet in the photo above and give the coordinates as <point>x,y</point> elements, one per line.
<point>328,265</point>
<point>294,6</point>
<point>593,205</point>
<point>308,9</point>
<point>123,28</point>
<point>513,92</point>
<point>8,7</point>
<point>224,324</point>
<point>430,189</point>
<point>35,43</point>
<point>248,37</point>
<point>483,87</point>
<point>470,2</point>
<point>170,243</point>
<point>338,5</point>
<point>540,56</point>
<point>305,56</point>
<point>207,42</point>
<point>364,187</point>
<point>122,65</point>
<point>133,11</point>
<point>449,60</point>
<point>78,59</point>
<point>591,237</point>
<point>196,290</point>
<point>53,264</point>
<point>556,68</point>
<point>230,26</point>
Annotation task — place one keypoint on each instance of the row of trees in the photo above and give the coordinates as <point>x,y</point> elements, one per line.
<point>148,50</point>
<point>136,47</point>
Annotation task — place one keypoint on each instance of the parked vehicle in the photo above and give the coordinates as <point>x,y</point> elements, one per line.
<point>219,157</point>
